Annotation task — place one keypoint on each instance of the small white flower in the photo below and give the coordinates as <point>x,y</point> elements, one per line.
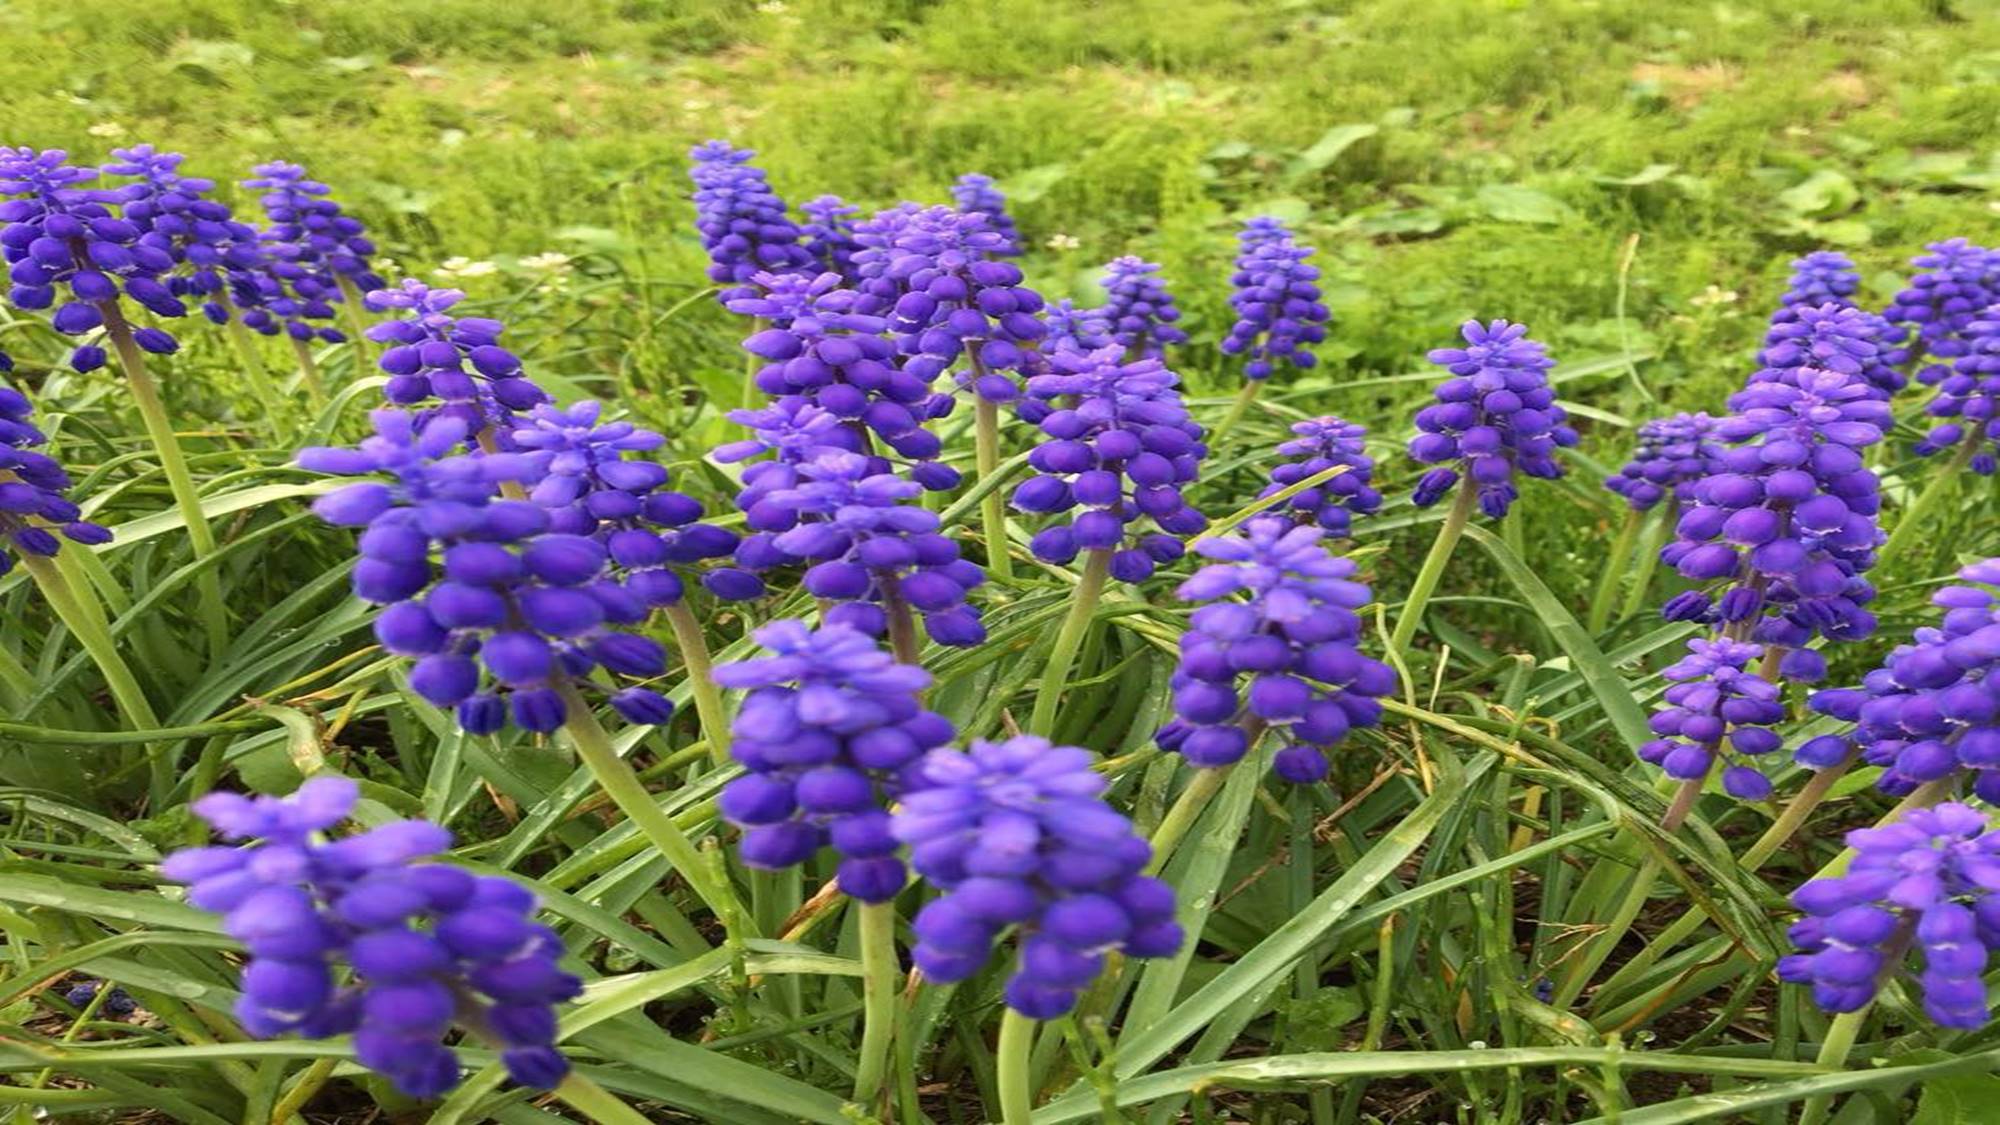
<point>106,129</point>
<point>772,7</point>
<point>1713,295</point>
<point>1064,242</point>
<point>554,261</point>
<point>452,268</point>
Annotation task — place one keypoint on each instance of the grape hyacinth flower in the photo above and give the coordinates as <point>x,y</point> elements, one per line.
<point>1673,453</point>
<point>433,354</point>
<point>830,732</point>
<point>1071,329</point>
<point>66,247</point>
<point>1717,709</point>
<point>1320,444</point>
<point>868,547</point>
<point>1930,709</point>
<point>829,236</point>
<point>311,238</point>
<point>976,194</point>
<point>1278,311</point>
<point>209,246</point>
<point>1829,337</point>
<point>591,487</point>
<point>1260,230</point>
<point>1787,522</point>
<point>1121,448</point>
<point>1296,640</point>
<point>517,616</point>
<point>431,945</point>
<point>1968,399</point>
<point>1927,881</point>
<point>117,1002</point>
<point>743,223</point>
<point>33,504</point>
<point>820,349</point>
<point>1495,416</point>
<point>1141,313</point>
<point>1017,833</point>
<point>1822,277</point>
<point>1956,283</point>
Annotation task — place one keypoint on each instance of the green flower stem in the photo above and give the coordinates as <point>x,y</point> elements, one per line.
<point>1767,845</point>
<point>1017,1041</point>
<point>215,620</point>
<point>259,376</point>
<point>1647,561</point>
<point>97,642</point>
<point>1237,410</point>
<point>1918,513</point>
<point>614,775</point>
<point>355,306</point>
<point>309,376</point>
<point>1840,1037</point>
<point>1096,568</point>
<point>701,680</point>
<point>597,1103</point>
<point>902,626</point>
<point>1187,808</point>
<point>1604,941</point>
<point>880,973</point>
<point>992,507</point>
<point>1462,507</point>
<point>1616,565</point>
<point>309,1082</point>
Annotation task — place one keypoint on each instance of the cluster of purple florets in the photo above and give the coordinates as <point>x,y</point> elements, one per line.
<point>431,945</point>
<point>1138,310</point>
<point>310,246</point>
<point>829,236</point>
<point>212,251</point>
<point>1121,448</point>
<point>822,349</point>
<point>433,354</point>
<point>1933,707</point>
<point>743,223</point>
<point>65,246</point>
<point>1717,709</point>
<point>1320,444</point>
<point>515,616</point>
<point>1786,522</point>
<point>34,505</point>
<point>1017,833</point>
<point>1673,453</point>
<point>1497,414</point>
<point>1968,398</point>
<point>1956,283</point>
<point>1924,883</point>
<point>1296,639</point>
<point>830,732</point>
<point>1830,337</point>
<point>976,194</point>
<point>1279,315</point>
<point>1071,329</point>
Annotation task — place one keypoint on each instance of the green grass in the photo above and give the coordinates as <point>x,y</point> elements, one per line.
<point>1630,180</point>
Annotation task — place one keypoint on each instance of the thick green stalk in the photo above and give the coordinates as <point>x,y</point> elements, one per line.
<point>1187,808</point>
<point>259,376</point>
<point>1017,1042</point>
<point>309,374</point>
<point>1462,506</point>
<point>1616,565</point>
<point>1935,493</point>
<point>902,625</point>
<point>97,642</point>
<point>355,306</point>
<point>1096,568</point>
<point>992,507</point>
<point>880,973</point>
<point>1840,1037</point>
<point>1647,561</point>
<point>701,680</point>
<point>614,775</point>
<point>153,411</point>
<point>1237,409</point>
<point>597,1103</point>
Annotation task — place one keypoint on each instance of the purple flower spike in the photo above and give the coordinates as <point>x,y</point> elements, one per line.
<point>1017,833</point>
<point>1497,414</point>
<point>214,255</point>
<point>1324,443</point>
<point>1785,525</point>
<point>1295,645</point>
<point>1140,312</point>
<point>1968,397</point>
<point>976,194</point>
<point>33,504</point>
<point>933,272</point>
<point>1278,311</point>
<point>1923,884</point>
<point>743,223</point>
<point>1956,283</point>
<point>1830,337</point>
<point>433,354</point>
<point>1717,710</point>
<point>1929,710</point>
<point>1121,449</point>
<point>309,246</point>
<point>829,236</point>
<point>832,731</point>
<point>513,611</point>
<point>1673,453</point>
<point>430,945</point>
<point>1072,329</point>
<point>68,248</point>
